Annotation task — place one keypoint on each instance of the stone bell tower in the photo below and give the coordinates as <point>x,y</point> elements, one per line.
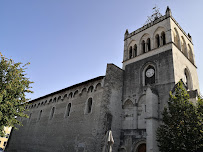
<point>156,56</point>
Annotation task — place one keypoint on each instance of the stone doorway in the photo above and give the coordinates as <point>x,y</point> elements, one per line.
<point>141,148</point>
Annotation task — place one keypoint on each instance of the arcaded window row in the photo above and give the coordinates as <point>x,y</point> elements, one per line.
<point>69,96</point>
<point>183,46</point>
<point>87,110</point>
<point>147,43</point>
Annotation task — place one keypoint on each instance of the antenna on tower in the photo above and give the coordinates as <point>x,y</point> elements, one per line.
<point>156,14</point>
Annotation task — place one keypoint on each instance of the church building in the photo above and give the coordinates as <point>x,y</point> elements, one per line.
<point>121,110</point>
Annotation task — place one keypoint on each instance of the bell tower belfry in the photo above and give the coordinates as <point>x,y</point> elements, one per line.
<point>156,57</point>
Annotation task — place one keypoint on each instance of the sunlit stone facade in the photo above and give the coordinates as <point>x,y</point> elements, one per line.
<point>127,101</point>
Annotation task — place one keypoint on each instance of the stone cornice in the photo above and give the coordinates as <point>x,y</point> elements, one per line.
<point>154,23</point>
<point>146,26</point>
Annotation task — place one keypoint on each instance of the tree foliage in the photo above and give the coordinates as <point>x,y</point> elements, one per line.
<point>13,88</point>
<point>182,128</point>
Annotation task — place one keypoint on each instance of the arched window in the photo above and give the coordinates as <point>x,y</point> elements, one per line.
<point>83,90</point>
<point>176,39</point>
<point>75,93</point>
<point>135,50</point>
<point>88,106</point>
<point>149,75</point>
<point>65,96</point>
<point>52,113</point>
<point>148,45</point>
<point>90,89</point>
<point>70,95</point>
<point>191,57</point>
<point>59,98</point>
<point>163,38</point>
<point>143,46</point>
<point>187,79</point>
<point>157,41</point>
<point>130,52</point>
<point>68,110</point>
<point>141,148</point>
<point>98,86</point>
<point>40,113</point>
<point>50,101</point>
<point>184,47</point>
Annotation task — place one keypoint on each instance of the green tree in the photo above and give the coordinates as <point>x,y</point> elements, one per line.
<point>13,88</point>
<point>182,128</point>
<point>200,115</point>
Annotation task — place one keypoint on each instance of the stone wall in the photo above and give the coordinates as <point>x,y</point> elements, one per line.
<point>76,132</point>
<point>111,110</point>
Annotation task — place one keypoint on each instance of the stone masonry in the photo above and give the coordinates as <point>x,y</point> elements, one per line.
<point>126,101</point>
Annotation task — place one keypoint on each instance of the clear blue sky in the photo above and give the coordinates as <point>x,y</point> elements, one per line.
<point>70,41</point>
